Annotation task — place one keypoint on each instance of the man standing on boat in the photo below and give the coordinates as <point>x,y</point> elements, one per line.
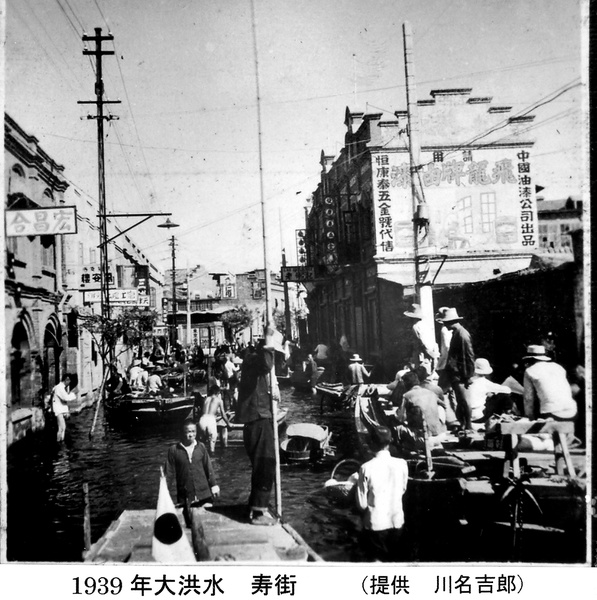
<point>255,411</point>
<point>381,484</point>
<point>358,373</point>
<point>188,464</point>
<point>460,366</point>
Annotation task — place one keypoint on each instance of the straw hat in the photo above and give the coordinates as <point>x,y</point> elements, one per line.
<point>415,312</point>
<point>536,352</point>
<point>451,314</point>
<point>482,367</point>
<point>441,313</point>
<point>356,358</point>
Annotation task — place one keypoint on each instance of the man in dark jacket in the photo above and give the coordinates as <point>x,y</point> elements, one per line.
<point>255,411</point>
<point>188,464</point>
<point>460,365</point>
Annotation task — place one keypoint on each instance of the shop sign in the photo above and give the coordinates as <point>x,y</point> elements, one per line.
<point>41,221</point>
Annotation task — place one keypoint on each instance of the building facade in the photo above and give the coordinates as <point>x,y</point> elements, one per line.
<point>472,201</point>
<point>33,282</point>
<point>205,297</point>
<point>52,279</point>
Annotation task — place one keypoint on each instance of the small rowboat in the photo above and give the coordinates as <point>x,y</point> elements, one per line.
<point>143,407</point>
<point>235,433</point>
<point>306,442</point>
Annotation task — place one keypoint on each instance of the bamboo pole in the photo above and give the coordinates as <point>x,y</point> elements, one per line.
<point>268,310</point>
<point>86,519</point>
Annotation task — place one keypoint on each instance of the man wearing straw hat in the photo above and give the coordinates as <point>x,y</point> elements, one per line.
<point>547,393</point>
<point>357,370</point>
<point>460,365</point>
<point>424,349</point>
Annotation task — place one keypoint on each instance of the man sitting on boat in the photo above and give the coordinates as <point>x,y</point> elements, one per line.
<point>479,392</point>
<point>188,466</point>
<point>214,419</point>
<point>381,484</point>
<point>419,416</point>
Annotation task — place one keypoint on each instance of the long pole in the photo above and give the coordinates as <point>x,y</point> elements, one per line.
<point>422,292</point>
<point>268,310</point>
<point>413,136</point>
<point>174,330</point>
<point>99,102</point>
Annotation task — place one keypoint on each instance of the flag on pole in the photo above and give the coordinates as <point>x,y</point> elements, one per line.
<point>169,544</point>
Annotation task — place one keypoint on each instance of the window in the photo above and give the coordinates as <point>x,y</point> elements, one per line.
<point>92,255</point>
<point>465,214</point>
<point>487,212</point>
<point>48,252</point>
<point>438,156</point>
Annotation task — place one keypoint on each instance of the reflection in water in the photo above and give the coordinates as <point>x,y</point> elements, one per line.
<point>45,483</point>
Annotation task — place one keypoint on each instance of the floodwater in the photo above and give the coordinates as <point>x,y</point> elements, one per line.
<point>121,466</point>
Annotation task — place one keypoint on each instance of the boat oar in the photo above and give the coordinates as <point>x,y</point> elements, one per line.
<point>428,458</point>
<point>99,400</point>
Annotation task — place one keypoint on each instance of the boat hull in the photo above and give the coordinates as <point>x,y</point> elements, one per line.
<point>152,409</point>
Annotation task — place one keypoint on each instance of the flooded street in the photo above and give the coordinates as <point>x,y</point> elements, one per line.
<point>121,465</point>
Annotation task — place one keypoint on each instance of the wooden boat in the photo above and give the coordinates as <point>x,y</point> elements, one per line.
<point>491,499</point>
<point>302,381</point>
<point>217,533</point>
<point>306,442</point>
<point>147,408</point>
<point>235,433</point>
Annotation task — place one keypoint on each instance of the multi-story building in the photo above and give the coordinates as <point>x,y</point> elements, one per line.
<point>32,279</point>
<point>52,278</point>
<point>474,206</point>
<point>557,219</point>
<point>133,281</point>
<point>207,296</point>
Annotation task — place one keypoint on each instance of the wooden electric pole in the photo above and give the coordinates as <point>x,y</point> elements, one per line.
<point>99,102</point>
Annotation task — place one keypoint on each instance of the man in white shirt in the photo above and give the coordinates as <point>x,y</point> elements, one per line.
<point>381,484</point>
<point>479,390</point>
<point>61,396</point>
<point>547,393</point>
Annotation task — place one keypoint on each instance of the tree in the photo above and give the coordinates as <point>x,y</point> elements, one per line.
<point>235,320</point>
<point>126,328</point>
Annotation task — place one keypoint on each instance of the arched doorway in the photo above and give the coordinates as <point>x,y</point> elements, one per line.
<point>20,368</point>
<point>51,363</point>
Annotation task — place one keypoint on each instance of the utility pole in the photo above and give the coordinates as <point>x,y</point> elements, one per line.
<point>99,102</point>
<point>420,209</point>
<point>174,334</point>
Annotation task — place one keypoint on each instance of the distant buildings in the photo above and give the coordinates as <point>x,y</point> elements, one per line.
<point>207,296</point>
<point>477,215</point>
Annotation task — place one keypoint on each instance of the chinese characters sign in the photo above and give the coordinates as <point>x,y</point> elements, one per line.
<point>474,206</point>
<point>298,273</point>
<point>41,221</point>
<point>89,277</point>
<point>527,224</point>
<point>383,215</point>
<point>119,297</point>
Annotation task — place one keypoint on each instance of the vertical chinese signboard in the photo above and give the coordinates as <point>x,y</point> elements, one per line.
<point>330,232</point>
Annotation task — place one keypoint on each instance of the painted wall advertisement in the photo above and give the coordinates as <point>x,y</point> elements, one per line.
<point>484,204</point>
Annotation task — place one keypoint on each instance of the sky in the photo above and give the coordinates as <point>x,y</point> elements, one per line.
<point>186,139</point>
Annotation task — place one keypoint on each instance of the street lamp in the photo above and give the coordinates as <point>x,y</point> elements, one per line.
<point>173,332</point>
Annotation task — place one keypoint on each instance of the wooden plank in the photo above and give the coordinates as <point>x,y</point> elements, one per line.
<point>519,427</point>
